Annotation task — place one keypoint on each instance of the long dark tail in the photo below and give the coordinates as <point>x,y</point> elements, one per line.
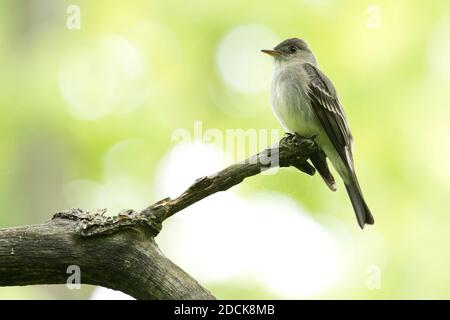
<point>359,204</point>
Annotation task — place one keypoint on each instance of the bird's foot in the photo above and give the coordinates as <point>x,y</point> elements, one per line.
<point>290,135</point>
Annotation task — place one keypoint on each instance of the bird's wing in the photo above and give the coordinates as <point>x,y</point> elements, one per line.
<point>328,110</point>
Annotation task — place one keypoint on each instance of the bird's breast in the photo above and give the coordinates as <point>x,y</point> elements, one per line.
<point>290,102</point>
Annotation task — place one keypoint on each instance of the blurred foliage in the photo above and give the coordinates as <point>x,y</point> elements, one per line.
<point>82,107</point>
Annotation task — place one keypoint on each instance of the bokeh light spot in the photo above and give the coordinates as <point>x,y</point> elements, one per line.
<point>439,49</point>
<point>185,163</point>
<point>239,60</point>
<point>104,76</point>
<point>267,238</point>
<point>102,293</point>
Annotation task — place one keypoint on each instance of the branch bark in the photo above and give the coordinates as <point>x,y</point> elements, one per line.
<point>120,252</point>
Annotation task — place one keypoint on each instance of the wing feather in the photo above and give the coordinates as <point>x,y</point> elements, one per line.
<point>329,111</point>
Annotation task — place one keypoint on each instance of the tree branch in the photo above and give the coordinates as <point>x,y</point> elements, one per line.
<point>292,150</point>
<point>120,252</point>
<point>115,252</point>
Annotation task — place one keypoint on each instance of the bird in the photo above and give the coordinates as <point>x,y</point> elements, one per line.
<point>305,102</point>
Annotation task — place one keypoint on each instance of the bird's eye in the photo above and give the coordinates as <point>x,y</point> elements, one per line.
<point>292,49</point>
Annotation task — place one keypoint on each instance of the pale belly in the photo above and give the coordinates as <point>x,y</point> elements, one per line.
<point>293,110</point>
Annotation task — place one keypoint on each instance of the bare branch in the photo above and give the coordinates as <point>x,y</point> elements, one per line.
<point>292,150</point>
<point>120,252</point>
<point>114,252</point>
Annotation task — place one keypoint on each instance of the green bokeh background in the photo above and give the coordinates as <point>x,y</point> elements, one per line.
<point>393,81</point>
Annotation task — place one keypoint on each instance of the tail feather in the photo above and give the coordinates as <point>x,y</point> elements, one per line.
<point>359,204</point>
<point>319,160</point>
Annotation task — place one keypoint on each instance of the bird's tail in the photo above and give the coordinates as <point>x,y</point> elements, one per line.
<point>319,161</point>
<point>359,204</point>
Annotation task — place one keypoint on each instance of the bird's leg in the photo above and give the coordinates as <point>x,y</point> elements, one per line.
<point>290,135</point>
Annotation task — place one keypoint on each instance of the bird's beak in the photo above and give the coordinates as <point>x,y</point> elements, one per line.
<point>273,53</point>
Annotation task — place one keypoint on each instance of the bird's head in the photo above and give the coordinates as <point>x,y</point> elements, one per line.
<point>292,50</point>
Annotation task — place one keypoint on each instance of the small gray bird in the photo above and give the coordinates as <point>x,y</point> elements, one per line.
<point>306,103</point>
